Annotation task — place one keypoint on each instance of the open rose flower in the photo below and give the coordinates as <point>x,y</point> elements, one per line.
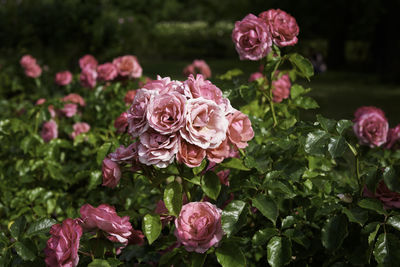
<point>252,38</point>
<point>128,66</point>
<point>189,154</point>
<point>88,61</point>
<point>137,113</point>
<point>33,71</point>
<point>224,176</point>
<point>371,126</point>
<point>129,97</point>
<point>281,88</point>
<point>69,110</point>
<point>62,247</point>
<point>255,76</point>
<point>27,60</point>
<point>88,77</point>
<point>124,154</point>
<point>198,226</point>
<point>393,137</point>
<point>389,199</point>
<point>121,123</point>
<point>105,218</point>
<point>63,78</point>
<point>111,173</point>
<point>217,155</point>
<point>283,27</point>
<point>240,130</point>
<point>49,131</point>
<point>198,67</point>
<point>166,85</point>
<point>107,72</point>
<point>204,88</point>
<point>74,98</point>
<point>79,128</point>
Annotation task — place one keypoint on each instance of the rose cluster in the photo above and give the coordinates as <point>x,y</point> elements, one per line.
<point>32,69</point>
<point>254,35</point>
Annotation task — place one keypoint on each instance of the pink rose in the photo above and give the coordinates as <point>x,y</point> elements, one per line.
<point>255,76</point>
<point>223,177</point>
<point>393,137</point>
<point>128,66</point>
<point>27,60</point>
<point>111,173</point>
<point>157,149</point>
<point>63,78</point>
<point>49,131</point>
<point>88,61</point>
<point>240,130</point>
<point>166,112</point>
<point>33,71</point>
<point>204,88</point>
<point>283,26</point>
<point>40,101</point>
<point>62,247</point>
<point>162,210</point>
<point>121,123</point>
<point>389,199</point>
<point>252,38</point>
<point>129,97</point>
<point>107,72</point>
<point>136,238</point>
<point>198,226</point>
<point>190,155</point>
<point>74,98</point>
<point>69,110</point>
<point>281,88</point>
<point>123,154</point>
<point>217,155</point>
<point>198,67</point>
<point>143,81</point>
<point>371,126</point>
<point>79,128</point>
<point>166,85</point>
<point>205,125</point>
<point>88,77</point>
<point>105,218</point>
<point>137,113</point>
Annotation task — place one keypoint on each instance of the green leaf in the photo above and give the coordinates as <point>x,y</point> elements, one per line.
<point>26,250</point>
<point>302,65</point>
<point>199,169</point>
<point>298,236</point>
<point>387,250</point>
<point>263,236</point>
<point>99,263</point>
<point>234,163</point>
<point>230,216</point>
<point>342,125</point>
<point>152,227</point>
<point>391,179</point>
<point>102,152</point>
<point>18,227</point>
<point>334,232</point>
<point>356,215</point>
<point>297,90</point>
<point>279,251</point>
<point>267,207</point>
<point>316,142</point>
<point>371,241</point>
<point>229,254</point>
<point>40,226</point>
<point>198,259</point>
<point>394,221</point>
<point>173,198</point>
<point>372,204</point>
<point>306,102</point>
<point>95,180</point>
<point>326,124</point>
<point>211,185</point>
<point>114,262</point>
<point>337,146</point>
<point>288,222</point>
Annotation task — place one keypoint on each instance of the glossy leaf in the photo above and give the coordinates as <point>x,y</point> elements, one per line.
<point>211,185</point>
<point>387,250</point>
<point>372,204</point>
<point>231,214</point>
<point>337,146</point>
<point>99,263</point>
<point>263,236</point>
<point>302,65</point>
<point>267,207</point>
<point>229,254</point>
<point>173,198</point>
<point>279,251</point>
<point>152,227</point>
<point>391,178</point>
<point>334,232</point>
<point>40,226</point>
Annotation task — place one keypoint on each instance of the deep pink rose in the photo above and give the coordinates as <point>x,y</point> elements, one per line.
<point>281,88</point>
<point>129,97</point>
<point>371,126</point>
<point>105,218</point>
<point>205,125</point>
<point>198,67</point>
<point>121,123</point>
<point>74,98</point>
<point>389,199</point>
<point>62,247</point>
<point>40,101</point>
<point>198,226</point>
<point>204,88</point>
<point>107,72</point>
<point>27,60</point>
<point>137,113</point>
<point>33,71</point>
<point>88,77</point>
<point>283,26</point>
<point>157,149</point>
<point>63,78</point>
<point>128,66</point>
<point>190,155</point>
<point>166,85</point>
<point>88,61</point>
<point>217,155</point>
<point>49,131</point>
<point>79,128</point>
<point>224,177</point>
<point>255,76</point>
<point>240,130</point>
<point>393,137</point>
<point>124,154</point>
<point>252,38</point>
<point>111,173</point>
<point>69,110</point>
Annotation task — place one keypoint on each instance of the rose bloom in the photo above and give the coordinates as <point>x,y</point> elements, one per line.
<point>128,66</point>
<point>389,199</point>
<point>107,72</point>
<point>63,78</point>
<point>240,130</point>
<point>255,76</point>
<point>124,154</point>
<point>223,177</point>
<point>136,238</point>
<point>205,125</point>
<point>62,247</point>
<point>198,67</point>
<point>281,88</point>
<point>74,98</point>
<point>121,123</point>
<point>69,110</point>
<point>137,113</point>
<point>105,218</point>
<point>33,71</point>
<point>393,137</point>
<point>40,101</point>
<point>371,126</point>
<point>283,26</point>
<point>129,97</point>
<point>111,173</point>
<point>27,60</point>
<point>198,226</point>
<point>217,155</point>
<point>49,131</point>
<point>252,38</point>
<point>143,81</point>
<point>190,155</point>
<point>204,88</point>
<point>79,128</point>
<point>88,61</point>
<point>166,85</point>
<point>88,77</point>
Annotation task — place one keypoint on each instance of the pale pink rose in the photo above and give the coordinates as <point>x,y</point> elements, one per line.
<point>255,76</point>
<point>111,173</point>
<point>62,247</point>
<point>88,77</point>
<point>190,155</point>
<point>79,128</point>
<point>105,218</point>
<point>74,98</point>
<point>33,71</point>
<point>69,110</point>
<point>393,138</point>
<point>389,199</point>
<point>128,66</point>
<point>281,88</point>
<point>129,97</point>
<point>157,149</point>
<point>371,126</point>
<point>205,125</point>
<point>217,155</point>
<point>40,101</point>
<point>283,26</point>
<point>49,131</point>
<point>107,72</point>
<point>252,38</point>
<point>240,130</point>
<point>121,123</point>
<point>27,60</point>
<point>51,110</point>
<point>88,61</point>
<point>166,112</point>
<point>204,88</point>
<point>223,177</point>
<point>124,154</point>
<point>166,85</point>
<point>137,113</point>
<point>63,78</point>
<point>198,226</point>
<point>198,67</point>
